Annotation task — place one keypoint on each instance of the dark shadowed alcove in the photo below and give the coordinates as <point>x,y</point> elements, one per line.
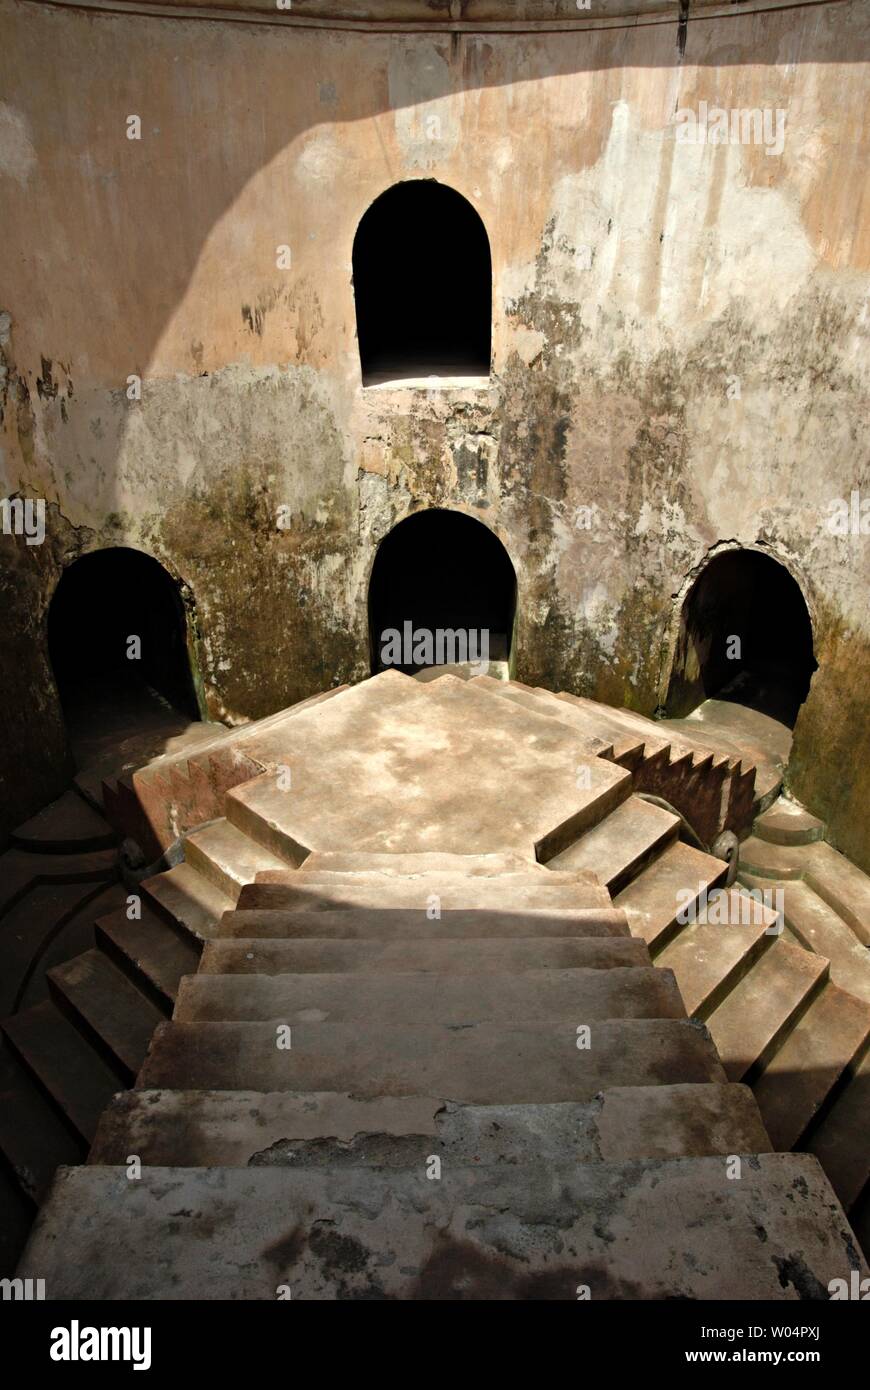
<point>422,279</point>
<point>441,571</point>
<point>746,636</point>
<point>101,601</point>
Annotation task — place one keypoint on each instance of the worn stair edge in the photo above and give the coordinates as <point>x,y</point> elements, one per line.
<point>480,1063</point>
<point>451,999</point>
<point>102,1237</point>
<point>245,955</point>
<point>234,1129</point>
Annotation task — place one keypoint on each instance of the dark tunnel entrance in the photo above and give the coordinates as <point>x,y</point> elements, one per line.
<point>108,682</point>
<point>440,572</point>
<point>745,636</point>
<point>422,279</point>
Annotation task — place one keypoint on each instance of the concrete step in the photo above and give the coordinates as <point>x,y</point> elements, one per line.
<point>67,826</point>
<point>788,823</point>
<point>406,924</point>
<point>709,956</point>
<point>321,955</point>
<point>227,858</point>
<point>453,999</point>
<point>670,886</point>
<point>255,1229</point>
<point>150,952</point>
<point>755,1018</point>
<point>764,859</point>
<point>34,1139</point>
<point>234,1128</point>
<point>188,900</point>
<point>817,927</point>
<point>107,1008</point>
<point>620,845</point>
<point>353,862</point>
<point>431,880</point>
<point>290,891</point>
<point>837,881</point>
<point>840,1140</point>
<point>484,1063</point>
<point>816,1055</point>
<point>71,1073</point>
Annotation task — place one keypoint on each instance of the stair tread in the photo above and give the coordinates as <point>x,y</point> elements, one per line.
<point>230,1128</point>
<point>758,1009</point>
<point>392,924</point>
<point>289,890</point>
<point>788,823</point>
<point>70,1070</point>
<point>189,899</point>
<point>150,948</point>
<point>618,844</point>
<point>429,880</point>
<point>652,902</point>
<point>442,998</point>
<point>352,862</point>
<point>707,956</point>
<point>110,1004</point>
<point>481,1062</point>
<point>228,857</point>
<point>819,928</point>
<point>833,877</point>
<point>319,954</point>
<point>124,1240</point>
<point>800,1075</point>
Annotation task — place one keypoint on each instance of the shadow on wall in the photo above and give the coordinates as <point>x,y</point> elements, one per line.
<point>441,571</point>
<point>746,636</point>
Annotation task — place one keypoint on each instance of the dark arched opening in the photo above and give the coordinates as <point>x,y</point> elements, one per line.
<point>441,573</point>
<point>422,279</point>
<point>107,680</point>
<point>745,636</point>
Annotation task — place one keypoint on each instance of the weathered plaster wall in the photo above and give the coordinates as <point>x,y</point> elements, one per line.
<point>635,279</point>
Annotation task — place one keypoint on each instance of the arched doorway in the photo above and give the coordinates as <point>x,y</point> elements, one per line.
<point>117,639</point>
<point>440,572</point>
<point>745,636</point>
<point>422,279</point>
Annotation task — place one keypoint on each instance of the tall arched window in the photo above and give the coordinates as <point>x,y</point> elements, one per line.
<point>440,572</point>
<point>746,636</point>
<point>422,278</point>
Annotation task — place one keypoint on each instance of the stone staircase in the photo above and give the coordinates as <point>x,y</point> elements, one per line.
<point>311,1167</point>
<point>456,1034</point>
<point>825,903</point>
<point>82,991</point>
